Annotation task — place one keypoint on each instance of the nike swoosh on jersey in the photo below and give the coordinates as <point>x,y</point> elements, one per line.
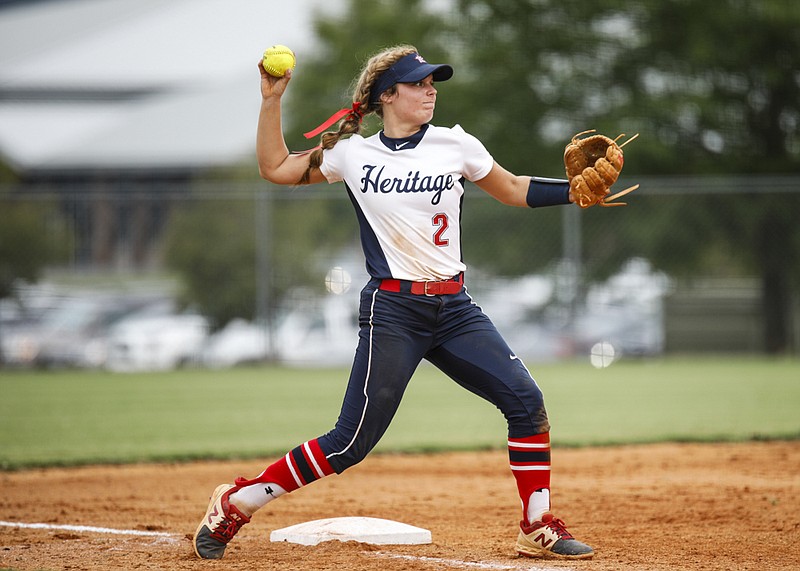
<point>399,146</point>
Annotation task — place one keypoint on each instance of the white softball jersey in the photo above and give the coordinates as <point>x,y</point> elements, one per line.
<point>408,195</point>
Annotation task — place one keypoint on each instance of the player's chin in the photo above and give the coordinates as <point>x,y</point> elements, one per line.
<point>426,114</point>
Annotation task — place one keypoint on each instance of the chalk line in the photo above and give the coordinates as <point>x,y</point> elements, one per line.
<point>421,558</point>
<point>86,529</point>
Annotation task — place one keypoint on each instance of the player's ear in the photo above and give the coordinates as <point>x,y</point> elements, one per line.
<point>388,95</point>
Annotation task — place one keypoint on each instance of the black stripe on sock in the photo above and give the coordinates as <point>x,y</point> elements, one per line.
<point>302,465</point>
<point>517,457</point>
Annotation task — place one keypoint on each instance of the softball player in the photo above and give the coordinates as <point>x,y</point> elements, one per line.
<point>406,184</point>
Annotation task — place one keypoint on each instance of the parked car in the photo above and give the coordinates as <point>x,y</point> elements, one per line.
<point>626,312</point>
<point>319,332</point>
<point>156,342</point>
<point>71,333</point>
<point>238,343</point>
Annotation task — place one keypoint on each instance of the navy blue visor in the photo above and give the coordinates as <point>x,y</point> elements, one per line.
<point>409,69</point>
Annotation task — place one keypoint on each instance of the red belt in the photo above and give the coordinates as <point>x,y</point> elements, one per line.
<point>446,287</point>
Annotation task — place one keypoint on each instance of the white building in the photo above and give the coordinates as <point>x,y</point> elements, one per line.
<point>88,85</point>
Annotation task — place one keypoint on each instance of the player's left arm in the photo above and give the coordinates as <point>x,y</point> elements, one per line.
<point>520,190</point>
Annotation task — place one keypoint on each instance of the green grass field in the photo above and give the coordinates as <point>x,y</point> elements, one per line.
<point>78,417</point>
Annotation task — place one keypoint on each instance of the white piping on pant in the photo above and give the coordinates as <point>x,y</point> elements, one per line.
<point>366,381</point>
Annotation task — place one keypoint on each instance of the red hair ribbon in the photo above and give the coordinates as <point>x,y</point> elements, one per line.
<point>346,112</point>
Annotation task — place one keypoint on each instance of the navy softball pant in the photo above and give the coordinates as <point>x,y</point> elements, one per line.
<point>397,331</point>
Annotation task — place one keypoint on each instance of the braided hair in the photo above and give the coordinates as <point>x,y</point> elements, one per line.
<point>351,124</point>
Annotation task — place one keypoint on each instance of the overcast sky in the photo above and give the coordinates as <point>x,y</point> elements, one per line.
<point>119,42</point>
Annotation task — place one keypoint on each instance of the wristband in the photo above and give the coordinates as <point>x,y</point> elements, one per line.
<point>547,192</point>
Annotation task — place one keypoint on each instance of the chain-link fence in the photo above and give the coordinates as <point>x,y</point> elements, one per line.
<point>225,272</point>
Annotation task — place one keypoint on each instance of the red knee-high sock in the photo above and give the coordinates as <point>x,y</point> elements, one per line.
<point>301,466</point>
<point>529,458</point>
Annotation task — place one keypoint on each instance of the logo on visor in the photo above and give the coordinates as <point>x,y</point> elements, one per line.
<point>420,59</point>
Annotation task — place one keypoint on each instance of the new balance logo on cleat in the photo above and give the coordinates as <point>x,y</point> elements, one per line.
<point>542,541</point>
<point>549,538</point>
<point>220,523</point>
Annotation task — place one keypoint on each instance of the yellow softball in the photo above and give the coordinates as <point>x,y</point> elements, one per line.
<point>277,60</point>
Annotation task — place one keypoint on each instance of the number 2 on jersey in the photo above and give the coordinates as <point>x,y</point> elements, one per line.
<point>442,222</point>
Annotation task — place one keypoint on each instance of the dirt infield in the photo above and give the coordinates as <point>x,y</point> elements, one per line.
<point>658,507</point>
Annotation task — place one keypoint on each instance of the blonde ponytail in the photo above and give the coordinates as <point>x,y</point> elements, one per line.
<point>351,123</point>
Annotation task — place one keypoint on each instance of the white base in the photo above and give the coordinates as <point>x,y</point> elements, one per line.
<point>362,529</point>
